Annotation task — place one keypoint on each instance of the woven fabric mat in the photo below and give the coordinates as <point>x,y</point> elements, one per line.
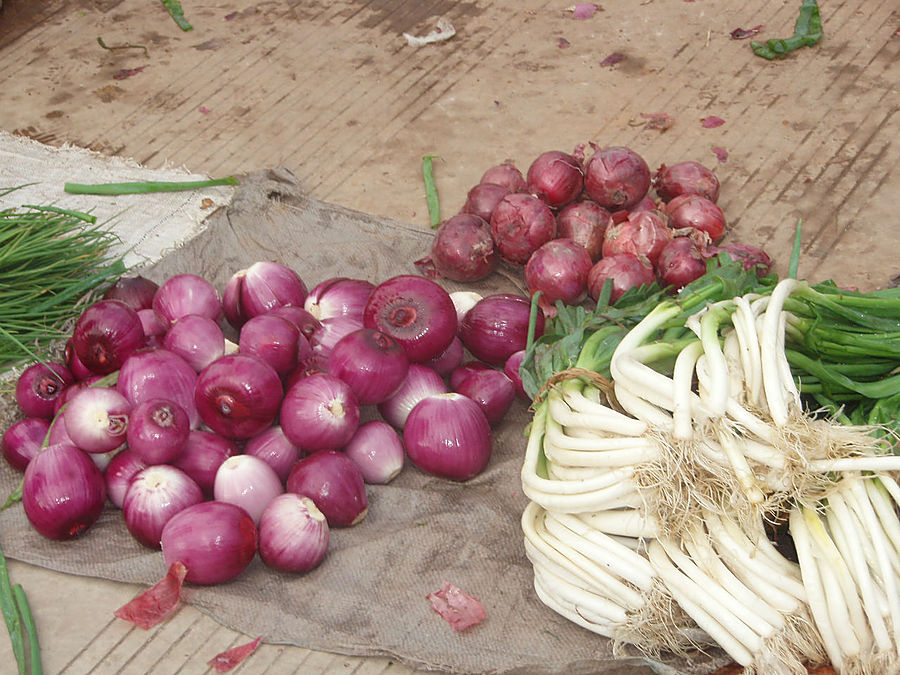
<point>369,595</point>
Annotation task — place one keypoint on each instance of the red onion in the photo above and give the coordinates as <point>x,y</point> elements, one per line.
<point>447,435</point>
<point>293,534</point>
<point>492,390</point>
<point>464,370</point>
<point>646,204</point>
<point>58,433</point>
<point>63,492</point>
<point>557,177</point>
<point>261,288</point>
<point>585,223</point>
<point>520,225</point>
<point>155,326</point>
<point>749,256</point>
<point>124,466</point>
<point>498,326</point>
<point>463,301</point>
<point>462,250</point>
<point>691,210</point>
<point>202,456</point>
<point>158,429</point>
<point>306,322</point>
<point>371,362</point>
<point>74,364</point>
<point>159,374</point>
<point>197,339</point>
<point>338,296</point>
<point>482,199</point>
<point>626,271</point>
<point>417,312</point>
<point>315,363</point>
<point>23,440</point>
<point>685,177</point>
<point>106,334</point>
<point>680,262</point>
<point>186,294</point>
<point>136,292</point>
<point>273,339</point>
<point>559,270</point>
<point>248,482</point>
<point>511,369</point>
<point>97,419</point>
<point>507,175</point>
<point>377,451</point>
<point>330,331</point>
<point>446,361</point>
<point>153,497</point>
<point>334,483</point>
<point>215,541</point>
<point>421,381</point>
<point>274,448</point>
<point>643,233</point>
<point>40,386</point>
<point>238,395</point>
<point>319,412</point>
<point>616,177</point>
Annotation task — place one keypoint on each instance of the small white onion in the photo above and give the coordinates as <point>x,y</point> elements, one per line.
<point>293,534</point>
<point>248,482</point>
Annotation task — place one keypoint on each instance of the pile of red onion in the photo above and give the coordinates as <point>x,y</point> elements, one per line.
<point>256,419</point>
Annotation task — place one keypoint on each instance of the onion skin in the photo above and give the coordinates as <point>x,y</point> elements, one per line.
<point>448,436</point>
<point>74,364</point>
<point>329,333</point>
<point>450,358</point>
<point>556,177</point>
<point>259,289</point>
<point>483,198</point>
<point>157,430</point>
<point>498,326</point>
<point>334,483</point>
<point>153,497</point>
<point>63,492</point>
<point>185,294</point>
<point>692,210</point>
<point>293,534</point>
<point>371,362</point>
<point>40,386</point>
<point>559,270</point>
<point>492,390</point>
<point>248,482</point>
<point>159,374</point>
<point>274,448</point>
<point>511,369</point>
<point>616,178</point>
<point>213,540</point>
<point>680,263</point>
<point>119,472</point>
<point>685,178</point>
<point>643,233</point>
<point>415,311</point>
<point>202,456</point>
<point>507,175</point>
<point>304,320</point>
<point>521,223</point>
<point>97,419</point>
<point>462,250</point>
<point>238,395</point>
<point>106,334</point>
<point>626,271</point>
<point>197,339</point>
<point>338,296</point>
<point>749,256</point>
<point>584,222</point>
<point>23,440</point>
<point>421,381</point>
<point>273,339</point>
<point>319,412</point>
<point>136,292</point>
<point>464,370</point>
<point>377,451</point>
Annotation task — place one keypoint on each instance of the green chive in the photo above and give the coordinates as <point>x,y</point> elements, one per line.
<point>145,187</point>
<point>431,195</point>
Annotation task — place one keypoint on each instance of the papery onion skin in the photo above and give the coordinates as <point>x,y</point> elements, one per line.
<point>159,373</point>
<point>106,334</point>
<point>616,177</point>
<point>692,210</point>
<point>415,311</point>
<point>39,387</point>
<point>461,250</point>
<point>498,326</point>
<point>448,436</point>
<point>153,497</point>
<point>334,483</point>
<point>686,177</point>
<point>585,223</point>
<point>559,270</point>
<point>521,223</point>
<point>215,542</point>
<point>273,339</point>
<point>319,412</point>
<point>293,534</point>
<point>23,440</point>
<point>97,419</point>
<point>748,256</point>
<point>643,233</point>
<point>507,175</point>
<point>483,198</point>
<point>185,294</point>
<point>274,448</point>
<point>124,466</point>
<point>338,296</point>
<point>197,339</point>
<point>157,430</point>
<point>136,292</point>
<point>371,362</point>
<point>626,271</point>
<point>421,381</point>
<point>680,263</point>
<point>202,456</point>
<point>63,492</point>
<point>377,451</point>
<point>492,390</point>
<point>248,482</point>
<point>556,177</point>
<point>238,395</point>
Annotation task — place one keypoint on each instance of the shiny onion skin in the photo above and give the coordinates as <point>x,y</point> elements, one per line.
<point>97,419</point>
<point>447,435</point>
<point>154,495</point>
<point>691,210</point>
<point>520,224</point>
<point>450,358</point>
<point>274,448</point>
<point>293,534</point>
<point>511,368</point>
<point>498,326</point>
<point>507,175</point>
<point>259,289</point>
<point>556,177</point>
<point>248,482</point>
<point>585,223</point>
<point>371,362</point>
<point>643,233</point>
<point>159,373</point>
<point>461,372</point>
<point>338,296</point>
<point>685,178</point>
<point>334,483</point>
<point>421,381</point>
<point>492,390</point>
<point>680,263</point>
<point>185,294</point>
<point>626,271</point>
<point>616,177</point>
<point>319,412</point>
<point>105,334</point>
<point>124,466</point>
<point>157,430</point>
<point>197,339</point>
<point>274,339</point>
<point>202,456</point>
<point>559,270</point>
<point>238,395</point>
<point>215,542</point>
<point>23,440</point>
<point>377,451</point>
<point>415,311</point>
<point>461,250</point>
<point>40,386</point>
<point>63,492</point>
<point>482,199</point>
<point>136,292</point>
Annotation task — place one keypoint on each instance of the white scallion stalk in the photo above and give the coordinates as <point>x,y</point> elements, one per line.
<point>682,380</point>
<point>773,381</point>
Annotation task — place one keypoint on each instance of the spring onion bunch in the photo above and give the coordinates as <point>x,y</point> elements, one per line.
<point>670,432</point>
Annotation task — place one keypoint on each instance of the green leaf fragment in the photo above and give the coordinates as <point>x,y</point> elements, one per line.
<point>177,14</point>
<point>807,33</point>
<point>431,195</point>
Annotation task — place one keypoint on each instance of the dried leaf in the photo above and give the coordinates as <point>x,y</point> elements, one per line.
<point>744,33</point>
<point>584,10</point>
<point>156,603</point>
<point>712,122</point>
<point>720,153</point>
<point>613,59</point>
<point>127,72</point>
<point>563,43</point>
<point>455,607</point>
<point>231,658</point>
<point>658,121</point>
